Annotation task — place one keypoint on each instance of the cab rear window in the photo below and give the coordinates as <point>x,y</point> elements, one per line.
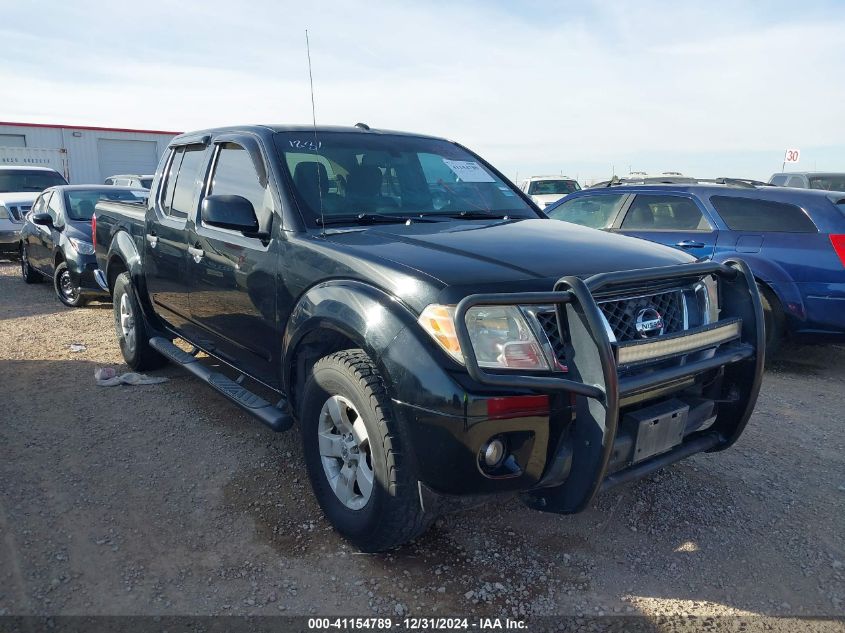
<point>748,214</point>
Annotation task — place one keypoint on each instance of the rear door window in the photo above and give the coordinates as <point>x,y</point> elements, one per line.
<point>664,213</point>
<point>748,214</point>
<point>180,194</point>
<point>795,181</point>
<point>779,180</point>
<point>596,211</point>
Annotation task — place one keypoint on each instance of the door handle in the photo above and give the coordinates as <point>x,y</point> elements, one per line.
<point>152,239</point>
<point>690,244</point>
<point>196,253</point>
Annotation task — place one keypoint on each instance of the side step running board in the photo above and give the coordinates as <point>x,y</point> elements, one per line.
<point>273,416</point>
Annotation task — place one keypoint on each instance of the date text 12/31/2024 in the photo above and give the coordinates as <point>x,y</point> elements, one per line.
<point>416,624</point>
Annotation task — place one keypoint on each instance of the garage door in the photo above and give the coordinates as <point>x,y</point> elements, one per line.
<point>12,140</point>
<point>126,157</point>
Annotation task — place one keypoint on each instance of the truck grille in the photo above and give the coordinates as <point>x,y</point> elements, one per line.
<point>621,315</point>
<point>17,212</point>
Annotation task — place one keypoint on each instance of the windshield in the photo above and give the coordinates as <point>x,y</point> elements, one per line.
<point>830,182</point>
<point>560,187</point>
<point>26,180</point>
<point>344,175</point>
<point>147,183</point>
<point>79,203</point>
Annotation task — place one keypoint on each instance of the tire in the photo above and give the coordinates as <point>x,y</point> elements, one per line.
<point>390,514</point>
<point>773,319</point>
<point>29,274</point>
<point>66,291</point>
<point>130,328</point>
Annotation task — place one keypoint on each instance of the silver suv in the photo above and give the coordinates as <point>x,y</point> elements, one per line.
<point>831,181</point>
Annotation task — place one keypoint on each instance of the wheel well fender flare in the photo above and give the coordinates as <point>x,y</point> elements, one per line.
<point>123,256</point>
<point>775,279</point>
<point>365,315</point>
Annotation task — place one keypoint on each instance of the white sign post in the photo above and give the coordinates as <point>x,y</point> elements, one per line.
<point>790,156</point>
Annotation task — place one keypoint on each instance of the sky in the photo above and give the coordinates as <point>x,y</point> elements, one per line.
<point>580,88</point>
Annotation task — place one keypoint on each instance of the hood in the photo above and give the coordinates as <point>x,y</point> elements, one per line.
<point>18,197</point>
<point>547,198</point>
<point>509,255</point>
<point>79,230</point>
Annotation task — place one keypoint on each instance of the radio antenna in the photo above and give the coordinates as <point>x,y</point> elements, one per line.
<point>316,140</point>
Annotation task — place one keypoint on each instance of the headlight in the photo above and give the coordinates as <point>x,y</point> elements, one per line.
<point>500,336</point>
<point>83,248</point>
<point>4,213</point>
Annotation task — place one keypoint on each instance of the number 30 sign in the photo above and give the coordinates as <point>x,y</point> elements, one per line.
<point>792,156</point>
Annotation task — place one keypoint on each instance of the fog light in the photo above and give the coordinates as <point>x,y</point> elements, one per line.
<point>493,452</point>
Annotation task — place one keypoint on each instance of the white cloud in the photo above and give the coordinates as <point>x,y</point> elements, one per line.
<point>535,87</point>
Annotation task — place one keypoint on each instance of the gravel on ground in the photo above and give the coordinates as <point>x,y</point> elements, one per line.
<point>167,499</point>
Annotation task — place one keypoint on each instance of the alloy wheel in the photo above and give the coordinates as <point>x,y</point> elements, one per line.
<point>345,452</point>
<point>126,322</point>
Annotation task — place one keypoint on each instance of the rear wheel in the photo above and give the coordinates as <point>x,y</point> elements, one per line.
<point>130,329</point>
<point>354,453</point>
<point>773,320</point>
<point>29,274</point>
<point>68,292</point>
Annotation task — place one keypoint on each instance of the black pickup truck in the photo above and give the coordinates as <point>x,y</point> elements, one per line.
<point>436,337</point>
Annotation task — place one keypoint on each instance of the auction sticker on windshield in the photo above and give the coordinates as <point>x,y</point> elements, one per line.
<point>468,171</point>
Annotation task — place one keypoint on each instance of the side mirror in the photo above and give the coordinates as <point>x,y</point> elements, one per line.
<point>42,219</point>
<point>230,212</point>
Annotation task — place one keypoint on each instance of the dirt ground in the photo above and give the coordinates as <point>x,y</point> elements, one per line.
<point>166,499</point>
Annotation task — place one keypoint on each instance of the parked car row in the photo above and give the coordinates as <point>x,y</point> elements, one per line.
<point>47,223</point>
<point>56,239</point>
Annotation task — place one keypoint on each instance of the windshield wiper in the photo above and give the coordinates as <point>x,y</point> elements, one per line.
<point>473,215</point>
<point>372,218</point>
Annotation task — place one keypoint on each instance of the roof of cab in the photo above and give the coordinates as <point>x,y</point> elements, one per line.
<point>273,128</point>
<point>92,188</point>
<point>25,168</point>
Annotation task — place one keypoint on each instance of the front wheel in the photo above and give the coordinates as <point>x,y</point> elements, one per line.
<point>130,329</point>
<point>68,292</point>
<point>28,273</point>
<point>354,452</point>
<point>773,320</point>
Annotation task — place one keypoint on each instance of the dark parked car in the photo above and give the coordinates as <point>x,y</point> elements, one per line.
<point>55,240</point>
<point>829,181</point>
<point>436,337</point>
<point>793,240</point>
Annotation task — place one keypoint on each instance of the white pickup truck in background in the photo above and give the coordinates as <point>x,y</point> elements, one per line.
<point>545,190</point>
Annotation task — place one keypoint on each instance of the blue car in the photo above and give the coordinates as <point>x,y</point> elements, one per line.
<point>793,239</point>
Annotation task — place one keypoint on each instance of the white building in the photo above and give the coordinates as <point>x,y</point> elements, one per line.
<point>92,153</point>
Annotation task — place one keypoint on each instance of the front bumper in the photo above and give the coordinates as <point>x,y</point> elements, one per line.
<point>589,439</point>
<point>83,271</point>
<point>9,240</point>
<point>824,304</point>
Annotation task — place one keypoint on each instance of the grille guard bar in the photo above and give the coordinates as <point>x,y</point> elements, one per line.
<point>594,375</point>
